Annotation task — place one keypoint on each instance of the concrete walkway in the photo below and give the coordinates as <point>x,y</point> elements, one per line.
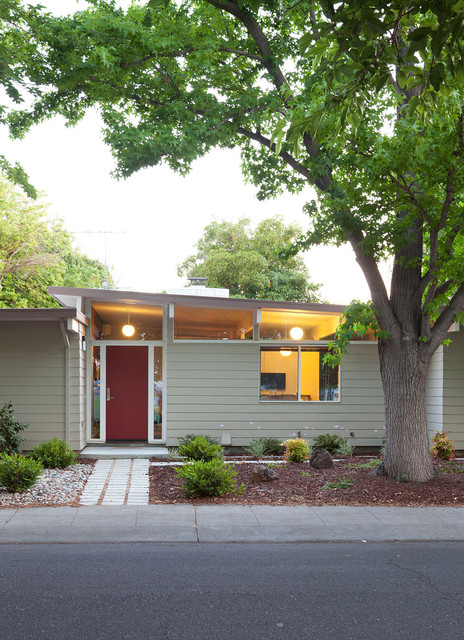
<point>234,523</point>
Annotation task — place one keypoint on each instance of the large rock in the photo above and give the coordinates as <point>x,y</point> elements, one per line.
<point>263,473</point>
<point>321,459</point>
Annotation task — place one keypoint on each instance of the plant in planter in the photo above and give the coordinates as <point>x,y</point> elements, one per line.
<point>18,473</point>
<point>442,447</point>
<point>200,448</point>
<point>328,441</point>
<point>264,447</point>
<point>296,450</point>
<point>208,478</point>
<point>53,454</point>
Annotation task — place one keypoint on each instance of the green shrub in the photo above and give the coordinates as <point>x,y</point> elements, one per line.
<point>296,450</point>
<point>345,449</point>
<point>10,440</point>
<point>442,447</point>
<point>264,447</point>
<point>272,447</point>
<point>18,473</point>
<point>207,478</point>
<point>328,441</point>
<point>201,448</point>
<point>256,448</point>
<point>191,436</point>
<point>53,454</point>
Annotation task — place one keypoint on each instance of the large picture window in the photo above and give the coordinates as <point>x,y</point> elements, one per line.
<point>298,374</point>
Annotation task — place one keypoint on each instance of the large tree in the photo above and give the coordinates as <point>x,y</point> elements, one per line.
<point>361,99</point>
<point>36,252</point>
<point>250,262</point>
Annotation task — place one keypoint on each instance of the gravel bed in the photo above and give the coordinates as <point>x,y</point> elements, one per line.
<point>54,487</point>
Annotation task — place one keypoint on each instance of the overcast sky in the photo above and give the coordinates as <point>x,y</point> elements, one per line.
<point>156,215</point>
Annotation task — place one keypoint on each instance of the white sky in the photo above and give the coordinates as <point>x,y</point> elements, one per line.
<point>161,214</point>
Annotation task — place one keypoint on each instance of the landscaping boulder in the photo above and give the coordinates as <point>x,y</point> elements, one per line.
<point>321,459</point>
<point>263,473</point>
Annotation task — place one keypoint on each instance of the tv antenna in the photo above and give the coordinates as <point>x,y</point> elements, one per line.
<point>105,284</point>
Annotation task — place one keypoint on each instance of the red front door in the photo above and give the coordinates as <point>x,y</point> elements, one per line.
<point>126,393</point>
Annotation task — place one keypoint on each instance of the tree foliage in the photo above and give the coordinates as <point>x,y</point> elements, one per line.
<point>36,252</point>
<point>361,99</point>
<point>250,262</point>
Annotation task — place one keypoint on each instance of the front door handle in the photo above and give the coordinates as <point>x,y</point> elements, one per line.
<point>108,395</point>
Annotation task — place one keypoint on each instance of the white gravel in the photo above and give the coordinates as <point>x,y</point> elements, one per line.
<point>54,487</point>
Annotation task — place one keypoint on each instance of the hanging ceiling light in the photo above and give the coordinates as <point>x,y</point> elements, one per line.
<point>285,352</point>
<point>296,333</point>
<point>128,329</point>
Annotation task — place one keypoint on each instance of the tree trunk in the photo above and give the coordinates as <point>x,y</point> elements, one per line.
<point>404,376</point>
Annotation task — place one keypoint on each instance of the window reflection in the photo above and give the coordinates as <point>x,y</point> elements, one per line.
<point>96,368</point>
<point>158,394</point>
<point>115,321</point>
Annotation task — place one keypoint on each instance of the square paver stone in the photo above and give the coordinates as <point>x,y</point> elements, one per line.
<point>166,515</point>
<point>299,515</point>
<point>333,516</point>
<point>403,515</point>
<point>43,517</point>
<point>234,515</point>
<point>111,514</point>
<point>449,515</point>
<point>6,515</point>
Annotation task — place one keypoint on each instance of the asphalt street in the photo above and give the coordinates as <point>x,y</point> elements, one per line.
<point>176,591</point>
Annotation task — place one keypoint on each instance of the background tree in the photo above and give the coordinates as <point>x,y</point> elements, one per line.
<point>361,99</point>
<point>250,263</point>
<point>36,252</point>
<point>16,51</point>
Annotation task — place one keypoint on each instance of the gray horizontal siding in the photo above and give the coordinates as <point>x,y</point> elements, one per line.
<point>453,388</point>
<point>209,385</point>
<point>434,393</point>
<point>32,377</point>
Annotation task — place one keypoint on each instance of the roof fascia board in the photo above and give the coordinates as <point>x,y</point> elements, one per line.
<point>42,315</point>
<point>110,295</point>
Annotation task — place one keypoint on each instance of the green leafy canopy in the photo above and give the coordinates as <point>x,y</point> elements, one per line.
<point>36,252</point>
<point>250,262</point>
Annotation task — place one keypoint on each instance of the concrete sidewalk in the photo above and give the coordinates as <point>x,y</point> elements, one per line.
<point>224,523</point>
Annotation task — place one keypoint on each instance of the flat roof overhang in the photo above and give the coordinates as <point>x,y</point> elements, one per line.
<point>73,297</point>
<point>22,315</point>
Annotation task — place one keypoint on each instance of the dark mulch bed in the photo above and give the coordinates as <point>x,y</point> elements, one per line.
<point>300,484</point>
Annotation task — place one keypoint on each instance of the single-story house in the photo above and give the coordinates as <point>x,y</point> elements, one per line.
<point>123,366</point>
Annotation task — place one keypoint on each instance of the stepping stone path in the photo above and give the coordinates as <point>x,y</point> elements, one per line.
<point>117,482</point>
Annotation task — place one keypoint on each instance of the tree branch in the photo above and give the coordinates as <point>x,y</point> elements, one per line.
<point>286,157</point>
<point>257,35</point>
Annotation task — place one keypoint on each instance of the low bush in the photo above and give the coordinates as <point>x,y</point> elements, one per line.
<point>256,448</point>
<point>10,440</point>
<point>328,441</point>
<point>18,473</point>
<point>264,447</point>
<point>201,448</point>
<point>442,447</point>
<point>296,450</point>
<point>53,454</point>
<point>207,478</point>
<point>345,449</point>
<point>191,436</point>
